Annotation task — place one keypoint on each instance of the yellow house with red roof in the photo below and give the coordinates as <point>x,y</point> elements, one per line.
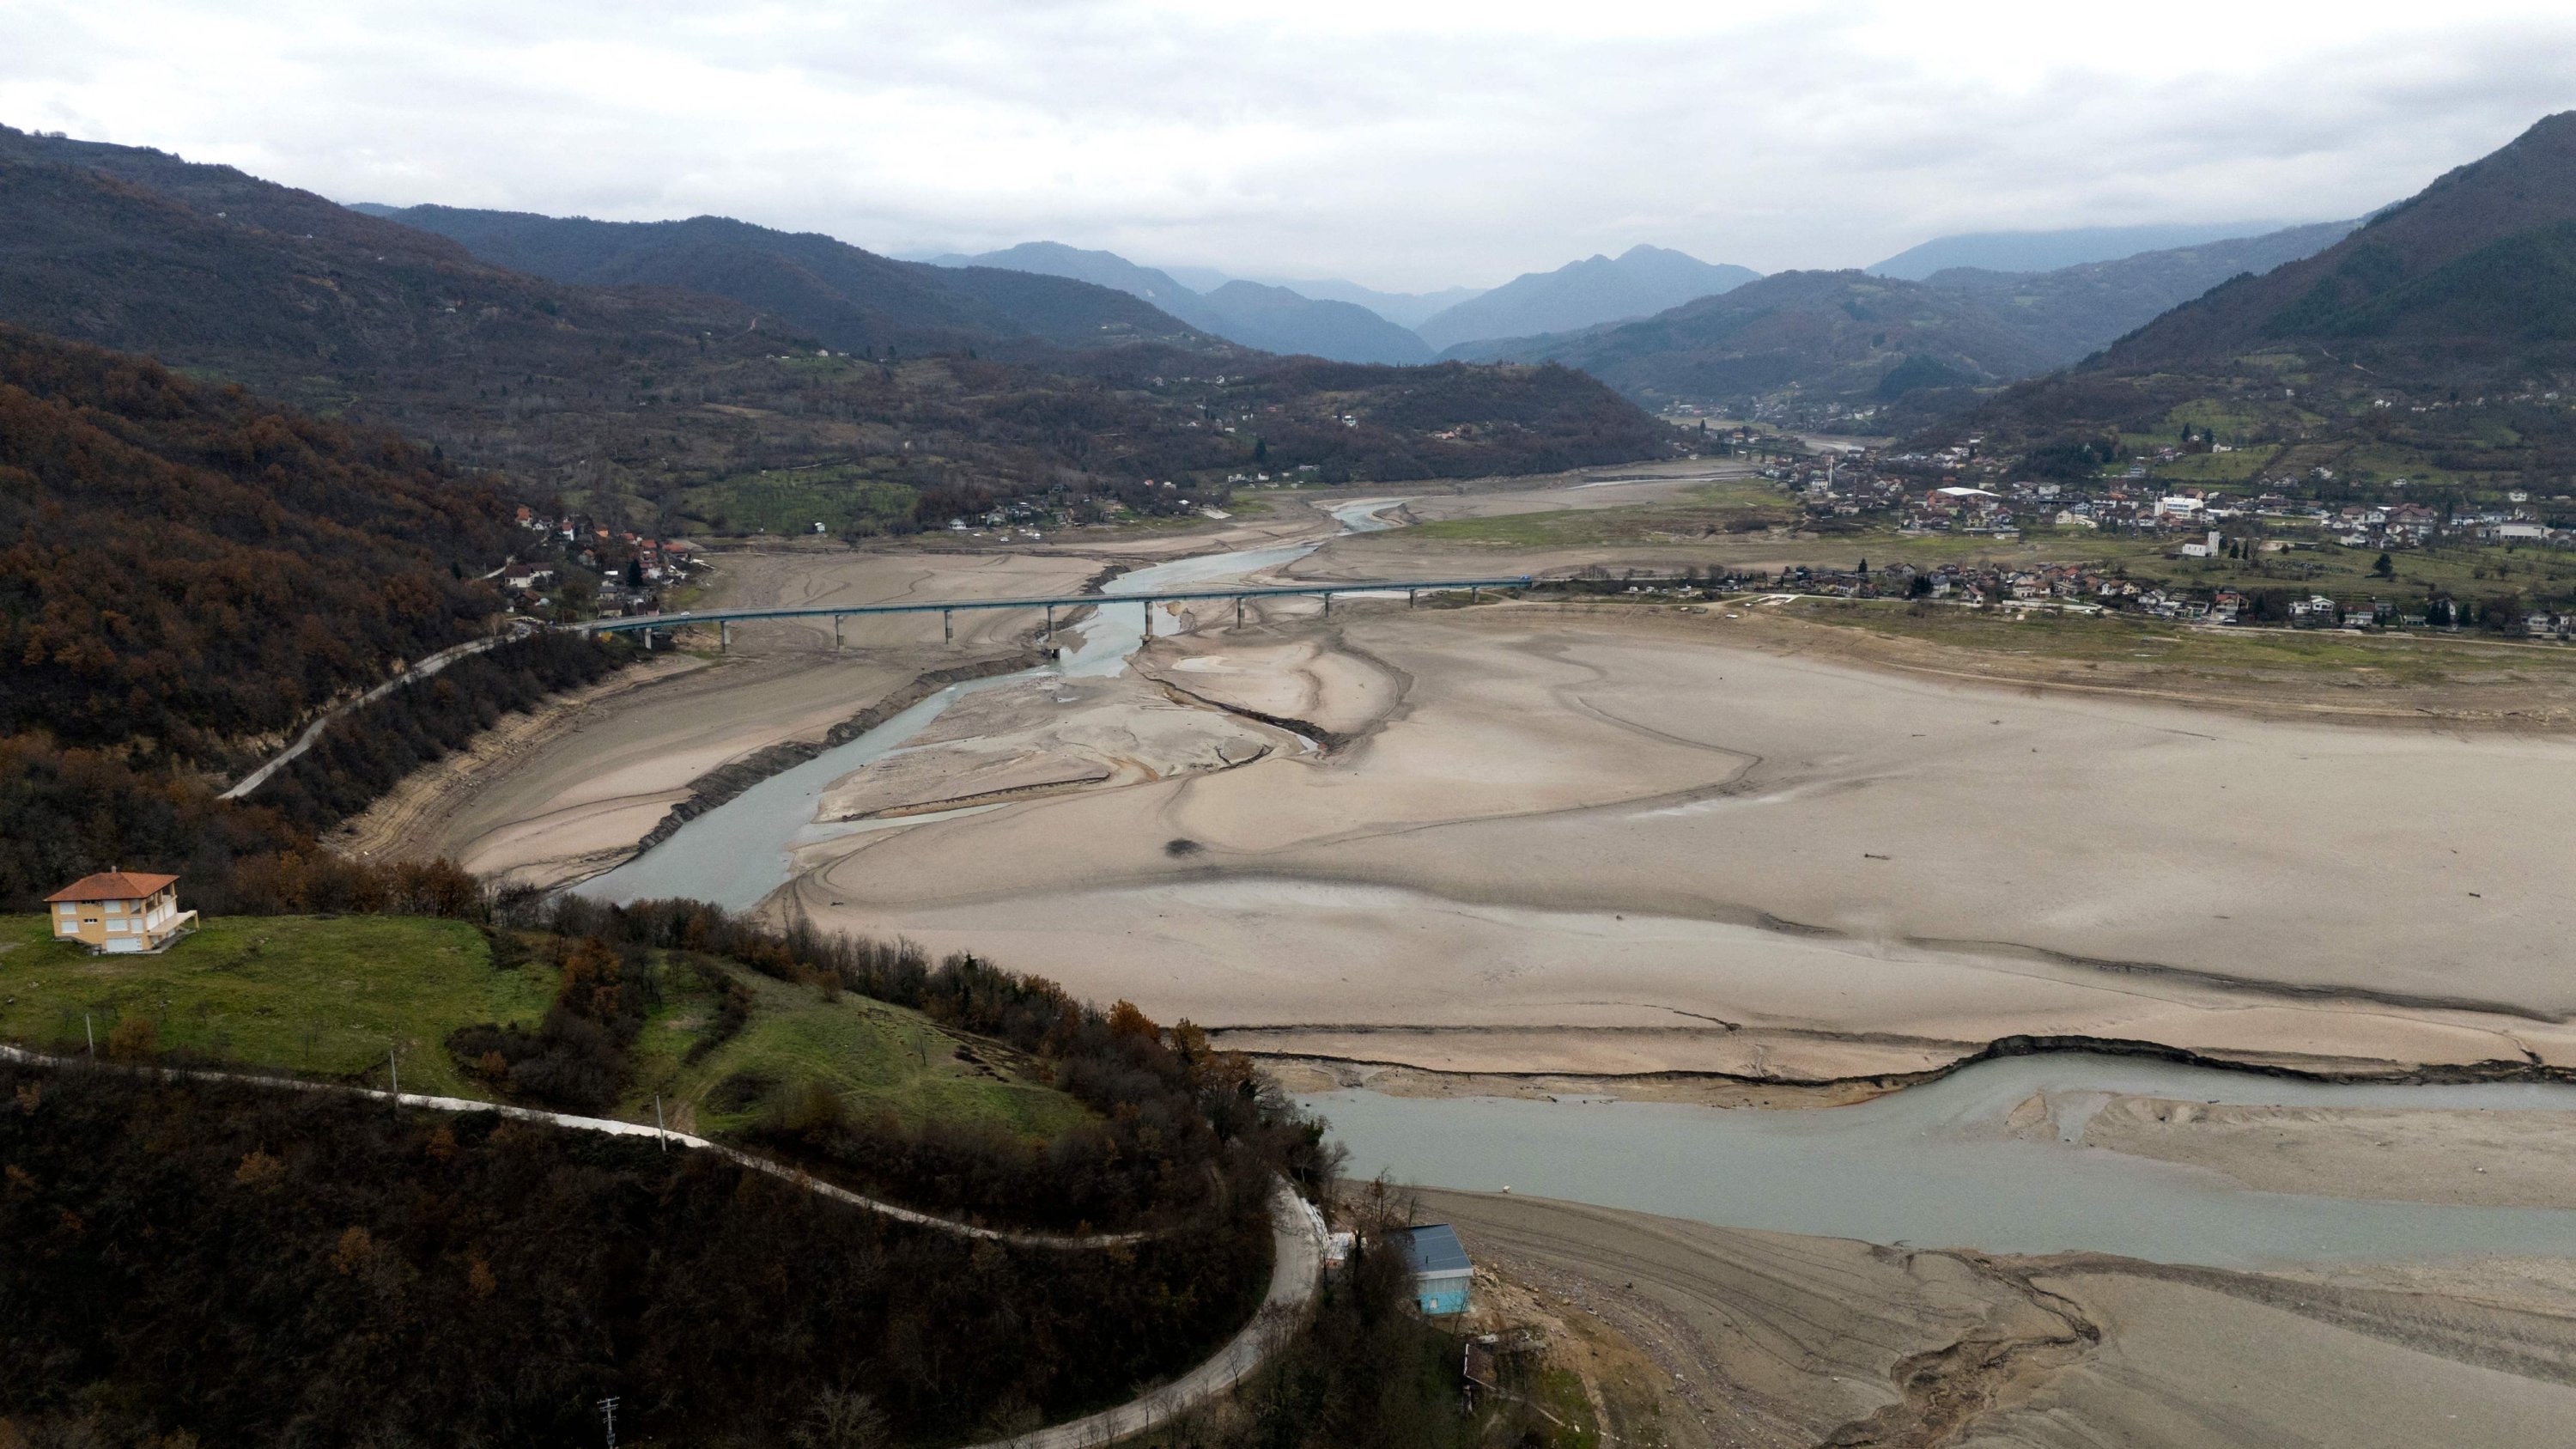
<point>120,911</point>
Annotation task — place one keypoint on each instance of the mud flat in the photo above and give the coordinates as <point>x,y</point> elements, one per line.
<point>1572,848</point>
<point>2477,1158</point>
<point>1048,735</point>
<point>1781,1339</point>
<point>573,799</point>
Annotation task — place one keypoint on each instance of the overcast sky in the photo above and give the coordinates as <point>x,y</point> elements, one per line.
<point>1401,143</point>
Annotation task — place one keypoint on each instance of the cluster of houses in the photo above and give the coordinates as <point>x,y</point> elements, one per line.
<point>626,571</point>
<point>1974,496</point>
<point>2086,589</point>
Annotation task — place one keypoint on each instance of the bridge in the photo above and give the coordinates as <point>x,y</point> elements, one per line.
<point>948,609</point>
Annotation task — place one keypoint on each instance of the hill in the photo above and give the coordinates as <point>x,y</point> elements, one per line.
<point>1639,282</point>
<point>1273,319</point>
<point>1827,342</point>
<point>194,567</point>
<point>2047,251</point>
<point>1100,268</point>
<point>1404,309</point>
<point>840,295</point>
<point>1277,319</point>
<point>1811,349</point>
<point>248,1264</point>
<point>2437,343</point>
<point>621,401</point>
<point>2076,310</point>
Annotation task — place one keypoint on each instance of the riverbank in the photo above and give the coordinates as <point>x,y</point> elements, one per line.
<point>1777,1338</point>
<point>577,790</point>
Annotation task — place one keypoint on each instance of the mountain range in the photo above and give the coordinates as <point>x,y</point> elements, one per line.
<point>1348,322</point>
<point>630,367</point>
<point>1639,282</point>
<point>2047,251</point>
<point>1273,319</point>
<point>2440,334</point>
<point>1859,342</point>
<point>1404,309</point>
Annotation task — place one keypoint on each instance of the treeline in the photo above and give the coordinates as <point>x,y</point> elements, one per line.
<point>367,751</point>
<point>1181,1127</point>
<point>183,567</point>
<point>222,1264</point>
<point>65,812</point>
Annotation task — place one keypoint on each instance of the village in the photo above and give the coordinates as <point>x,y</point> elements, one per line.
<point>2259,541</point>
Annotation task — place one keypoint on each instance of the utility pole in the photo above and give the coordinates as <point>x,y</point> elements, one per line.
<point>608,1415</point>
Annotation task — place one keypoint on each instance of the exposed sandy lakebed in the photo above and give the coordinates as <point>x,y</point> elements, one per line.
<point>1567,846</point>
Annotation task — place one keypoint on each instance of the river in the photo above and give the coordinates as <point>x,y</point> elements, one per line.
<point>738,853</point>
<point>1930,1166</point>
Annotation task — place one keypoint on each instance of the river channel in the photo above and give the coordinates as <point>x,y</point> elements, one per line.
<point>1931,1166</point>
<point>739,852</point>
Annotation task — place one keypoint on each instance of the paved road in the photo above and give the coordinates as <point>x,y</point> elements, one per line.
<point>1296,1270</point>
<point>422,669</point>
<point>615,1128</point>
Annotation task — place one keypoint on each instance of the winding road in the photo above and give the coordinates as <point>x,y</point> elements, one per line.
<point>1296,1266</point>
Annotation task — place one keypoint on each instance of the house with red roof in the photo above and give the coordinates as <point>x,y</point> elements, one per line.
<point>120,912</point>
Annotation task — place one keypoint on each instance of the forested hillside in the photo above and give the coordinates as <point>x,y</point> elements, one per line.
<point>626,400</point>
<point>842,296</point>
<point>192,567</point>
<point>1845,340</point>
<point>1888,351</point>
<point>2435,343</point>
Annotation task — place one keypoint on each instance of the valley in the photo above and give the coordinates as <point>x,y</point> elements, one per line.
<point>1964,852</point>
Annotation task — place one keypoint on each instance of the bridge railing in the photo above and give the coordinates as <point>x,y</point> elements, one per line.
<point>1147,599</point>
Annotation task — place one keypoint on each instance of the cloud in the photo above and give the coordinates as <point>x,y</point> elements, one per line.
<point>1406,144</point>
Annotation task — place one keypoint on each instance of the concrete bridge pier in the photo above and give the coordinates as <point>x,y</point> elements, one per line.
<point>724,636</point>
<point>1328,603</point>
<point>1474,594</point>
<point>1238,611</point>
<point>836,632</point>
<point>1409,596</point>
<point>1149,618</point>
<point>948,626</point>
<point>1050,626</point>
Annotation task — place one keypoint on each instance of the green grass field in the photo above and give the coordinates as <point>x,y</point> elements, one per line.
<point>1689,515</point>
<point>793,501</point>
<point>2407,659</point>
<point>328,997</point>
<point>321,997</point>
<point>878,1057</point>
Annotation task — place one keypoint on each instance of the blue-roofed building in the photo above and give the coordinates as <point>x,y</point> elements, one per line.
<point>1440,1267</point>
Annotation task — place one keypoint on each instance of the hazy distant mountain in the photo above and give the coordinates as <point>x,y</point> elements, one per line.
<point>846,297</point>
<point>1273,319</point>
<point>1639,282</point>
<point>1861,340</point>
<point>1102,269</point>
<point>2403,333</point>
<point>1829,336</point>
<point>1404,309</point>
<point>2077,310</point>
<point>2046,251</point>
